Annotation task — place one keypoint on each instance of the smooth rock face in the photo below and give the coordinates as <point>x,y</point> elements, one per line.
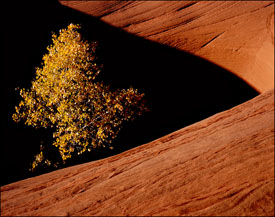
<point>223,165</point>
<point>236,35</point>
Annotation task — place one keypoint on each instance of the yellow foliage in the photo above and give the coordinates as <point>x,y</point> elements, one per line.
<point>66,96</point>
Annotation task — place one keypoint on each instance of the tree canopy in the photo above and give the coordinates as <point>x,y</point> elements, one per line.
<point>67,97</point>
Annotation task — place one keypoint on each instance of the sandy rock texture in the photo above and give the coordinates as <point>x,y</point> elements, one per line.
<point>236,35</point>
<point>223,165</point>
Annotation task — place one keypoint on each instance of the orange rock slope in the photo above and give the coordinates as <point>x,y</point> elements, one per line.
<point>223,165</point>
<point>236,35</point>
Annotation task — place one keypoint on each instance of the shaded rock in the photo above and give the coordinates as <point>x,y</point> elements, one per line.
<point>237,35</point>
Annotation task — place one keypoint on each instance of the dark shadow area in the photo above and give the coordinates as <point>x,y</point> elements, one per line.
<point>180,88</point>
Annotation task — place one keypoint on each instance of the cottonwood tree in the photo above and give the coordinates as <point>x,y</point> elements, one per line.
<point>66,96</point>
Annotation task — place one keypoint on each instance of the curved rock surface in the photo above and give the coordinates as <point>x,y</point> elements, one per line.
<point>223,165</point>
<point>236,35</point>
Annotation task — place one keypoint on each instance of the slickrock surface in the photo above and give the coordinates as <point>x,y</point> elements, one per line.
<point>237,35</point>
<point>223,165</point>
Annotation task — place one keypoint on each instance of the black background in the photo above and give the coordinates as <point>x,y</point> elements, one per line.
<point>180,88</point>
